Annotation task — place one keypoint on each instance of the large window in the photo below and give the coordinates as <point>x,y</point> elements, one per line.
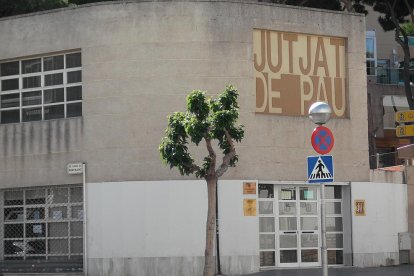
<point>41,88</point>
<point>371,53</point>
<point>43,223</point>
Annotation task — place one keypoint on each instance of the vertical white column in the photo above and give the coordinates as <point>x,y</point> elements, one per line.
<point>324,256</point>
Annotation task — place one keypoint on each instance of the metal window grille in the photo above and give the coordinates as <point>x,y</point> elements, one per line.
<point>42,224</point>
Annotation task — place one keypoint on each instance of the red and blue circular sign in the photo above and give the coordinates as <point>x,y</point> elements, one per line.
<point>322,140</point>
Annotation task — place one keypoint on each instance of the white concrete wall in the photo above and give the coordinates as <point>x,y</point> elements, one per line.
<point>375,236</point>
<point>158,228</point>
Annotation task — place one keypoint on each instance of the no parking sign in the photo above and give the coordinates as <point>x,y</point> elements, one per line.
<point>322,140</point>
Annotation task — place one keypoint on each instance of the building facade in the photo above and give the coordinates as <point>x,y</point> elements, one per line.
<point>93,85</point>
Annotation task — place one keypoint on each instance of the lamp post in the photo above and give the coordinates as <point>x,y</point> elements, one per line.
<point>320,113</point>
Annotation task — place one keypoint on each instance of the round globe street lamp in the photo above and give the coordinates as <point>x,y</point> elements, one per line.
<point>320,113</point>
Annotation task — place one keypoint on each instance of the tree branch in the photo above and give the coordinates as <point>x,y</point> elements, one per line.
<point>228,157</point>
<point>398,29</point>
<point>410,9</point>
<point>303,2</point>
<point>192,167</point>
<point>347,5</point>
<point>212,155</point>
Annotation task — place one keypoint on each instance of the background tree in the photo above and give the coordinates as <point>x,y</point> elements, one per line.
<point>336,5</point>
<point>15,7</point>
<point>206,120</point>
<point>398,17</point>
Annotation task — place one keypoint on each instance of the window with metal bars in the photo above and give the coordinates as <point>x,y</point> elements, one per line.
<point>42,223</point>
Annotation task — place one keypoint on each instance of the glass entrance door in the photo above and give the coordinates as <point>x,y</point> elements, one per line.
<point>297,230</point>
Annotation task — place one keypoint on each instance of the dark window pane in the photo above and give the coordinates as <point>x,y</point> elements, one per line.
<point>13,230</point>
<point>335,257</point>
<point>54,112</point>
<point>11,84</point>
<point>53,96</point>
<point>13,198</point>
<point>30,82</point>
<point>10,100</point>
<point>309,256</point>
<point>370,53</point>
<point>34,230</point>
<point>31,66</point>
<point>267,258</point>
<point>13,214</point>
<point>10,116</point>
<point>35,213</point>
<point>52,63</point>
<point>73,60</point>
<point>32,98</point>
<point>74,110</point>
<point>14,248</point>
<point>53,79</point>
<point>333,192</point>
<point>36,247</point>
<point>9,68</point>
<point>35,196</point>
<point>74,93</point>
<point>266,191</point>
<point>75,76</point>
<point>288,256</point>
<point>32,114</point>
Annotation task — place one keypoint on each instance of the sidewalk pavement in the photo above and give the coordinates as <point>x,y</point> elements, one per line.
<point>401,270</point>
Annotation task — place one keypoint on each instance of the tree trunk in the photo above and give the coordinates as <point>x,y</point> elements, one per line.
<point>210,227</point>
<point>406,76</point>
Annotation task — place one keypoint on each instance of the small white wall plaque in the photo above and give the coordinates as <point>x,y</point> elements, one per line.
<point>74,168</point>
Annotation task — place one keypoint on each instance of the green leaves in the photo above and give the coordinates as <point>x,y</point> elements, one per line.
<point>197,105</point>
<point>408,28</point>
<point>205,119</point>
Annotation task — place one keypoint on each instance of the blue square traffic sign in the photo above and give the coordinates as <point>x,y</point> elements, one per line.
<point>320,169</point>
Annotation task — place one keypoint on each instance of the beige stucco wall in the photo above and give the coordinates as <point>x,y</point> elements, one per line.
<point>385,40</point>
<point>140,59</point>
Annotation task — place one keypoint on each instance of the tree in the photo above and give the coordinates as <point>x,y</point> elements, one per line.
<point>15,7</point>
<point>9,8</point>
<point>206,119</point>
<point>337,5</point>
<point>396,15</point>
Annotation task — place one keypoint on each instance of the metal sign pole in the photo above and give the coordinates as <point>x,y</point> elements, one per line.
<point>324,256</point>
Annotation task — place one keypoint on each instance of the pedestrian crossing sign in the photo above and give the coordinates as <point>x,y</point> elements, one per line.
<point>320,169</point>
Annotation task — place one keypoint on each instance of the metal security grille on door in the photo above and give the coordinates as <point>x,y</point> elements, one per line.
<point>289,226</point>
<point>42,224</point>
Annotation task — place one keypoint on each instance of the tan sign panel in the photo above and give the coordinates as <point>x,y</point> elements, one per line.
<point>294,70</point>
<point>404,116</point>
<point>404,131</point>
<point>359,207</point>
<point>249,188</point>
<point>249,207</point>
